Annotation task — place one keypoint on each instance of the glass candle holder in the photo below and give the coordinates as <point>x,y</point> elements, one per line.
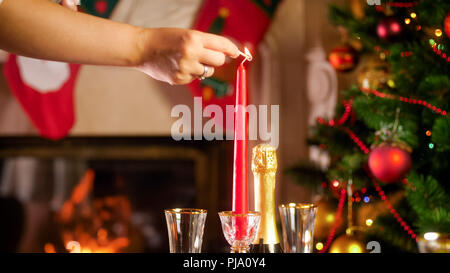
<point>240,229</point>
<point>297,222</point>
<point>185,228</point>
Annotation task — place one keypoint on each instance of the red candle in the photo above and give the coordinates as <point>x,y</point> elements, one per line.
<point>240,185</point>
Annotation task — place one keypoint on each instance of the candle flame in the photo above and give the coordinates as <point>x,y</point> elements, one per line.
<point>247,55</point>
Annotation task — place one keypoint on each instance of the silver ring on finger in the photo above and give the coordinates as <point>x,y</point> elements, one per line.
<point>205,72</point>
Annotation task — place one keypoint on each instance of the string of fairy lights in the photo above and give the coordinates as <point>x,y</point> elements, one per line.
<point>335,184</point>
<point>341,121</point>
<point>435,42</point>
<point>434,34</point>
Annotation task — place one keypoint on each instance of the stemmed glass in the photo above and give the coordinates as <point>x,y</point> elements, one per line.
<point>240,229</point>
<point>297,222</point>
<point>185,228</point>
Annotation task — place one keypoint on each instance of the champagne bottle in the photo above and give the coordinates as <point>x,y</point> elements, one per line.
<point>264,167</point>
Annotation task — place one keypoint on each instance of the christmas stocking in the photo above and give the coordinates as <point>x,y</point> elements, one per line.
<point>45,89</point>
<point>246,22</point>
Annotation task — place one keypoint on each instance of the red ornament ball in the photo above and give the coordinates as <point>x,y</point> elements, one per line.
<point>389,28</point>
<point>389,163</point>
<point>343,58</point>
<point>447,25</point>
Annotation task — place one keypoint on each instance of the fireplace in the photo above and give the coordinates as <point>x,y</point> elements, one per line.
<point>108,194</point>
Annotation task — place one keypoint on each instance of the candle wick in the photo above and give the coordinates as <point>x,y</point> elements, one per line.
<point>246,57</point>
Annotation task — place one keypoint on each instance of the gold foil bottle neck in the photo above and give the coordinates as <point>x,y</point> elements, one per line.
<point>264,158</point>
<point>264,166</point>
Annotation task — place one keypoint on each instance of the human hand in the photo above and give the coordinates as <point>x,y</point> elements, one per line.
<point>71,4</point>
<point>178,56</point>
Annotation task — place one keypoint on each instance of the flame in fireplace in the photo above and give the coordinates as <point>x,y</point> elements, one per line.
<point>98,226</point>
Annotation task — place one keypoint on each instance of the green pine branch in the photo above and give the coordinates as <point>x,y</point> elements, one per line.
<point>431,202</point>
<point>441,134</point>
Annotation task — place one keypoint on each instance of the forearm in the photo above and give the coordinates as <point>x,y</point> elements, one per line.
<point>42,29</point>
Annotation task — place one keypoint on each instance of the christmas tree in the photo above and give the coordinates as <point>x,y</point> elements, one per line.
<point>388,145</point>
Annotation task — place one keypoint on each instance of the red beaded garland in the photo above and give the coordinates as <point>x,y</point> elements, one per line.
<point>336,221</point>
<point>357,140</point>
<point>404,99</point>
<point>403,4</point>
<point>382,8</point>
<point>406,53</point>
<point>440,53</point>
<point>393,211</point>
<point>341,121</point>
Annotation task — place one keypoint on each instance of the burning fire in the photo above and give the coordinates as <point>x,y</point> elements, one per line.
<point>101,227</point>
<point>248,54</point>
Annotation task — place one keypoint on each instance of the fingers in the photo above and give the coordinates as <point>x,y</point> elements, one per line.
<point>212,58</point>
<point>179,56</point>
<point>219,43</point>
<point>71,4</point>
<point>199,71</point>
<point>194,70</point>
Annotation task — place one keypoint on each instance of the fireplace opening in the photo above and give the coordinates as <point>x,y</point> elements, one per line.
<point>106,195</point>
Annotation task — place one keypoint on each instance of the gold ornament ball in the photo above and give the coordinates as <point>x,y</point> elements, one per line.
<point>347,244</point>
<point>375,74</point>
